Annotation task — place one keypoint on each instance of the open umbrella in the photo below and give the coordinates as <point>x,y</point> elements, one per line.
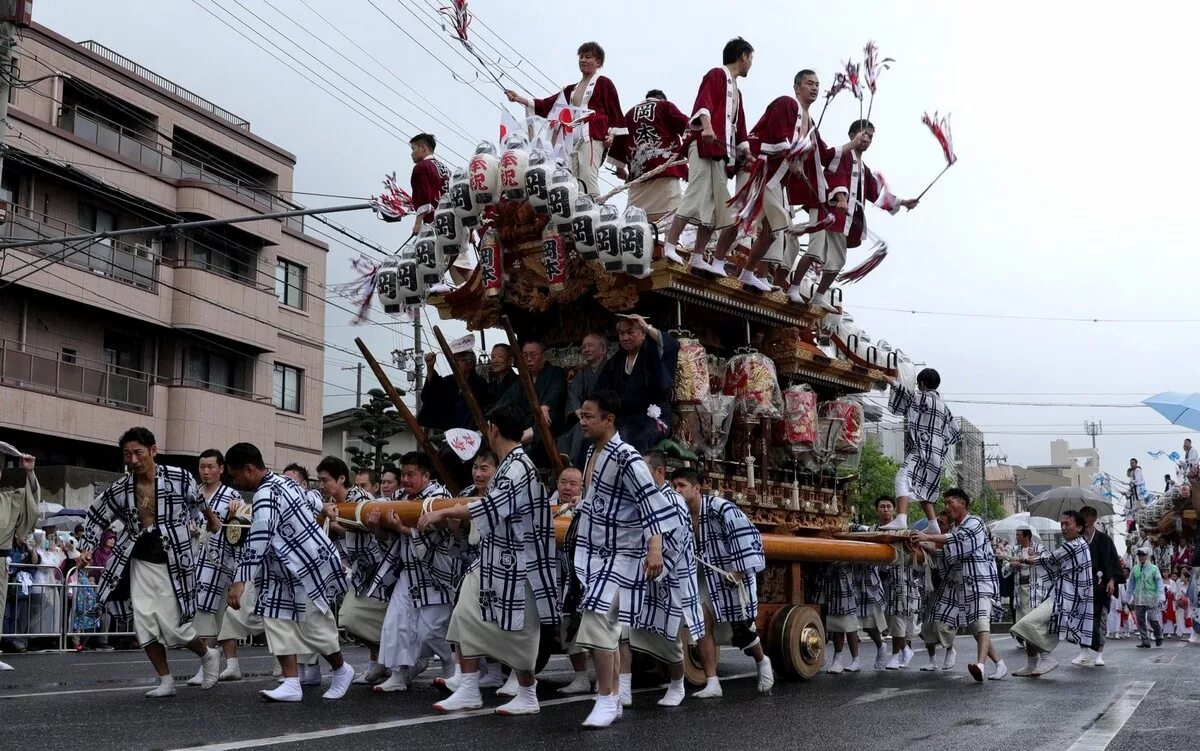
<point>65,519</point>
<point>45,508</point>
<point>1055,501</point>
<point>1024,520</point>
<point>1179,408</point>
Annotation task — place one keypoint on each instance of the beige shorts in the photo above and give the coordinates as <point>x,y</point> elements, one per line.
<point>901,627</point>
<point>827,247</point>
<point>657,197</point>
<point>842,624</point>
<point>316,634</point>
<point>706,200</point>
<point>475,637</point>
<point>934,632</point>
<point>586,158</point>
<point>654,644</point>
<point>242,623</point>
<point>155,610</point>
<point>600,631</point>
<point>1034,628</point>
<point>208,625</point>
<point>775,216</point>
<point>362,617</point>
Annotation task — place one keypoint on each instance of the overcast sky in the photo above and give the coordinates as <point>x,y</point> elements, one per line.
<point>1067,202</point>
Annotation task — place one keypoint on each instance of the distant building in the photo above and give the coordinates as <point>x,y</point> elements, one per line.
<point>207,336</point>
<point>341,431</point>
<point>1078,465</point>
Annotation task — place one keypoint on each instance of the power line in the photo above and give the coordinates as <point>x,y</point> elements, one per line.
<point>997,316</point>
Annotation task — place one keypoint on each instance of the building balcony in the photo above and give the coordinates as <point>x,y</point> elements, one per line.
<point>135,147</point>
<point>73,377</point>
<point>131,263</point>
<point>211,303</point>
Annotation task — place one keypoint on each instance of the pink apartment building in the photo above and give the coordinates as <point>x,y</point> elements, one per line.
<point>207,337</point>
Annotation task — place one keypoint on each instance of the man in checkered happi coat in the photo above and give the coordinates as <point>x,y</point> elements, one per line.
<point>929,432</point>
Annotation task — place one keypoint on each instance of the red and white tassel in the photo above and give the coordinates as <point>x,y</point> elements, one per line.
<point>940,128</point>
<point>866,267</point>
<point>394,203</point>
<point>873,66</point>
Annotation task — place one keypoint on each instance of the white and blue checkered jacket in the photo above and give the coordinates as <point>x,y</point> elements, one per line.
<point>929,432</point>
<point>1070,567</point>
<point>729,541</point>
<point>427,556</point>
<point>1038,576</point>
<point>178,503</point>
<point>516,545</point>
<point>218,559</point>
<point>287,555</point>
<point>361,551</point>
<point>674,599</point>
<point>622,508</point>
<point>969,577</point>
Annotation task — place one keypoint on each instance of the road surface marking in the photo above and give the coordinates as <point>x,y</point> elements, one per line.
<point>378,726</point>
<point>142,687</point>
<point>887,693</point>
<point>1105,728</point>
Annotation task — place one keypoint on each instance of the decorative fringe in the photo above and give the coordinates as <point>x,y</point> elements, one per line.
<point>394,204</point>
<point>872,66</point>
<point>866,267</point>
<point>940,128</point>
<point>361,291</point>
<point>824,221</point>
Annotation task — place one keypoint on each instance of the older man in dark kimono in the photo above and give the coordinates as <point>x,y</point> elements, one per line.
<point>643,374</point>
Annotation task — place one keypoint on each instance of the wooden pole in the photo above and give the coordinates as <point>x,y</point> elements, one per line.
<point>464,385</point>
<point>539,420</point>
<point>939,176</point>
<point>775,546</point>
<point>409,418</point>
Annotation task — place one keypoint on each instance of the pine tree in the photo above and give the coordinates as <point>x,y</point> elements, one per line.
<point>379,421</point>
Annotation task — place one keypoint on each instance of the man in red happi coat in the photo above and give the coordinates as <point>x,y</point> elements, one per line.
<point>430,178</point>
<point>605,122</point>
<point>720,121</point>
<point>656,130</point>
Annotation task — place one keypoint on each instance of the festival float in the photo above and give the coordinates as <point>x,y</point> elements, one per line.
<point>765,400</point>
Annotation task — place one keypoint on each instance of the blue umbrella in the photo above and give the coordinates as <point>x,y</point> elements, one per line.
<point>1179,408</point>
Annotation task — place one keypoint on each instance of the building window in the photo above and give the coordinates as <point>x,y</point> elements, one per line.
<point>286,395</point>
<point>223,372</point>
<point>289,284</point>
<point>70,355</point>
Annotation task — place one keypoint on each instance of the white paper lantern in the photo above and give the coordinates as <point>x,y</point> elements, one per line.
<point>483,172</point>
<point>430,263</point>
<point>514,163</point>
<point>451,236</point>
<point>537,180</point>
<point>584,219</point>
<point>465,208</point>
<point>387,285</point>
<point>608,238</point>
<point>560,199</point>
<point>637,243</point>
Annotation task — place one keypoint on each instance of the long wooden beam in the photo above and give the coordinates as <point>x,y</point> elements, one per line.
<point>409,418</point>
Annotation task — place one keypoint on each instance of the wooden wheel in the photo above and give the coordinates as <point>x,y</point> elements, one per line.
<point>797,642</point>
<point>693,668</point>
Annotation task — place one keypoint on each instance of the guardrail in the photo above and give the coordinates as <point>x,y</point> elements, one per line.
<point>42,605</point>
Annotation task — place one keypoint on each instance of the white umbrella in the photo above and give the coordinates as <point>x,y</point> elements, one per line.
<point>1055,501</point>
<point>1023,520</point>
<point>45,508</point>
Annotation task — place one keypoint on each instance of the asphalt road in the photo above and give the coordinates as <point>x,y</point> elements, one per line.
<point>1143,699</point>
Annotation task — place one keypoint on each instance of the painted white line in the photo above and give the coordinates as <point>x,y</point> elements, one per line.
<point>143,687</point>
<point>144,661</point>
<point>378,726</point>
<point>1105,728</point>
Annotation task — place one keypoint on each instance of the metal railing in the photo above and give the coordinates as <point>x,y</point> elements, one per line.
<point>121,61</point>
<point>39,369</point>
<point>42,606</point>
<point>134,264</point>
<point>132,145</point>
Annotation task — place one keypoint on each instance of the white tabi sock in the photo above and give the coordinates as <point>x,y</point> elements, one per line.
<point>625,688</point>
<point>668,247</point>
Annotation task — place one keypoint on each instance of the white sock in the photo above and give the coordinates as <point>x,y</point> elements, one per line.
<point>292,683</point>
<point>232,664</point>
<point>712,682</point>
<point>668,247</point>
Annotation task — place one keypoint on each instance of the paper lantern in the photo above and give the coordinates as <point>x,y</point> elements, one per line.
<point>608,238</point>
<point>448,231</point>
<point>637,243</point>
<point>430,263</point>
<point>560,198</point>
<point>409,286</point>
<point>554,258</point>
<point>537,180</point>
<point>491,263</point>
<point>483,173</point>
<point>514,163</point>
<point>584,219</point>
<point>466,210</point>
<point>387,285</point>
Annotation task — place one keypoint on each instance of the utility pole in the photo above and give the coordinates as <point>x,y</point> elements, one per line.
<point>8,17</point>
<point>1093,428</point>
<point>357,383</point>
<point>418,359</point>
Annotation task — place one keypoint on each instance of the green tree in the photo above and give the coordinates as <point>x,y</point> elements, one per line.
<point>876,477</point>
<point>379,421</point>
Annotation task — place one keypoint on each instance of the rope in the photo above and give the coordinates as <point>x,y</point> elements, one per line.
<point>652,173</point>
